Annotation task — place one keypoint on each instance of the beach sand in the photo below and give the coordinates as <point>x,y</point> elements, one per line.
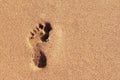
<point>84,43</point>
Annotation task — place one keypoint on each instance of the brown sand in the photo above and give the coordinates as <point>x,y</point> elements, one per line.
<point>84,43</point>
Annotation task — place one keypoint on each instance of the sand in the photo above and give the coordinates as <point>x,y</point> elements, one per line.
<point>84,43</point>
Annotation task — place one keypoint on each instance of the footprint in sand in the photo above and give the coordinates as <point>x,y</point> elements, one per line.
<point>39,35</point>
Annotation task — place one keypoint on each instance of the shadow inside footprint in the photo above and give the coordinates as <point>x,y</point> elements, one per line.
<point>47,29</point>
<point>42,60</point>
<point>45,37</point>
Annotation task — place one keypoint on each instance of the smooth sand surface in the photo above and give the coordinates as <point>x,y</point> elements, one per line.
<point>84,43</point>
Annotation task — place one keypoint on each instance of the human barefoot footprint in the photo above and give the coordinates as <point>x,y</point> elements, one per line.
<point>38,35</point>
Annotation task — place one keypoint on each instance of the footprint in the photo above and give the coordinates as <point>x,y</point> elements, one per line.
<point>39,35</point>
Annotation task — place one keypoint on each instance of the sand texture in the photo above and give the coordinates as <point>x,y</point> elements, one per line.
<point>83,42</point>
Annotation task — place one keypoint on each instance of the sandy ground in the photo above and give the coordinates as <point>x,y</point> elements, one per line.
<point>84,43</point>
